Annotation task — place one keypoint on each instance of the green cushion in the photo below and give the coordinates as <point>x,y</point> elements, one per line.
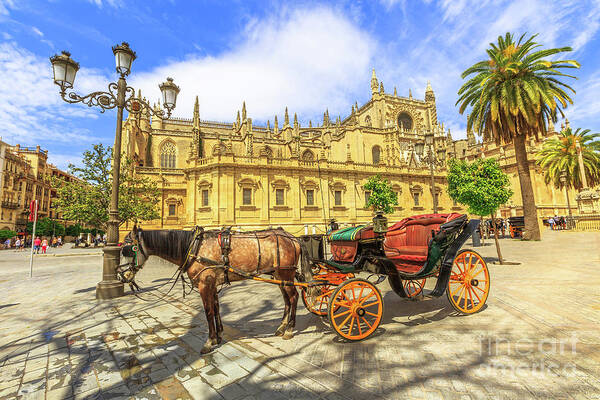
<point>346,234</point>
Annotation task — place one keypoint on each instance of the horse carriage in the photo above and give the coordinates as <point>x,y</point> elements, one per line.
<point>407,254</point>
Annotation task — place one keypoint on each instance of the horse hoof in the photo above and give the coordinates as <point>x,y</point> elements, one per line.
<point>206,349</point>
<point>219,340</point>
<point>281,330</point>
<point>288,335</point>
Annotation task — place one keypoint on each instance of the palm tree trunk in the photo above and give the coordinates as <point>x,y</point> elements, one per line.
<point>532,228</point>
<point>500,260</point>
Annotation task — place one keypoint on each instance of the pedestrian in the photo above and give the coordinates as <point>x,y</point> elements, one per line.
<point>36,245</point>
<point>17,244</point>
<point>44,245</point>
<point>59,241</point>
<point>551,223</point>
<point>7,243</point>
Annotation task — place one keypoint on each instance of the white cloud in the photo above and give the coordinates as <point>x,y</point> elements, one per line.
<point>31,110</point>
<point>111,3</point>
<point>37,31</point>
<point>5,5</point>
<point>306,59</point>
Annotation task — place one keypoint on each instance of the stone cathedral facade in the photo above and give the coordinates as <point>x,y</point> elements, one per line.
<point>238,174</point>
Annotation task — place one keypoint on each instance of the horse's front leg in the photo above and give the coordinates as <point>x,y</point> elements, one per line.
<point>218,323</point>
<point>284,322</point>
<point>208,292</point>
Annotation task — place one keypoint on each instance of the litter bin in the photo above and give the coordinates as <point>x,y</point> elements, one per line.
<point>315,246</point>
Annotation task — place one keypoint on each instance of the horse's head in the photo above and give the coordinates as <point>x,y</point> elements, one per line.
<point>134,254</point>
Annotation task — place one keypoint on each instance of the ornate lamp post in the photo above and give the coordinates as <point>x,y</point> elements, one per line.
<point>121,96</point>
<point>432,160</point>
<point>563,180</point>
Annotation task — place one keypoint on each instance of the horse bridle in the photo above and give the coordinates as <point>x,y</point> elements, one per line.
<point>126,272</point>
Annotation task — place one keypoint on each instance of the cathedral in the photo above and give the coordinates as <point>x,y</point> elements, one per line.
<point>216,174</point>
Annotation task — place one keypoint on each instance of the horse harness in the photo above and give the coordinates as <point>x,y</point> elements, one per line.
<point>224,241</point>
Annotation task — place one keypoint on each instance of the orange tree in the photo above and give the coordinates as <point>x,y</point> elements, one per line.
<point>512,95</point>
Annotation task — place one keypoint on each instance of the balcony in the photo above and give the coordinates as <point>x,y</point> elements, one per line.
<point>10,204</point>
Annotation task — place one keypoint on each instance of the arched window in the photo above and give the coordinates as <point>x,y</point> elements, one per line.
<point>168,155</point>
<point>405,122</point>
<point>368,121</point>
<point>308,156</point>
<point>376,152</point>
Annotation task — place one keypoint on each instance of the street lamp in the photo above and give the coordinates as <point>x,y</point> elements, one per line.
<point>433,161</point>
<point>121,96</point>
<point>563,181</point>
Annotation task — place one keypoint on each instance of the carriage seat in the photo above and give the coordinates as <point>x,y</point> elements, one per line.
<point>406,242</point>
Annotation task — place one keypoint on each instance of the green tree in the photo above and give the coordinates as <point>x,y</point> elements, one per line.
<point>512,95</point>
<point>6,234</point>
<point>560,154</point>
<point>481,186</point>
<point>46,227</point>
<point>382,197</point>
<point>87,199</point>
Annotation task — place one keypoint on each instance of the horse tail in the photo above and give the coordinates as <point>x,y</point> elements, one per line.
<point>305,261</point>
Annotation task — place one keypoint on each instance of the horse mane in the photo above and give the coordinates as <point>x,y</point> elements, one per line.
<point>171,243</point>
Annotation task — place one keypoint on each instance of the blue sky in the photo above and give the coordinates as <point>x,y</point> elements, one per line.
<point>306,55</point>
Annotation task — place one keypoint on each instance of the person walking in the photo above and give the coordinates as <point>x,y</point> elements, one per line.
<point>17,244</point>
<point>36,245</point>
<point>44,245</point>
<point>59,241</point>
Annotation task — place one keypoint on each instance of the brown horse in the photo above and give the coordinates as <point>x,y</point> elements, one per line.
<point>274,252</point>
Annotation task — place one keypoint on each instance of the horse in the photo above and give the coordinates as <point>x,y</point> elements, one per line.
<point>206,255</point>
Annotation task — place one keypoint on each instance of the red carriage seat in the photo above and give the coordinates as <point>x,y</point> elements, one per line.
<point>406,242</point>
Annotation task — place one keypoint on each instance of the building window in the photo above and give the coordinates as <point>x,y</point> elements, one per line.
<point>172,209</point>
<point>337,195</point>
<point>279,197</point>
<point>167,155</point>
<point>310,197</point>
<point>368,121</point>
<point>308,156</point>
<point>376,153</point>
<point>367,195</point>
<point>405,121</point>
<point>416,199</point>
<point>246,196</point>
<point>205,198</point>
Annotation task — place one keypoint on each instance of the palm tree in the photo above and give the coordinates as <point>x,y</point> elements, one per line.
<point>512,95</point>
<point>560,154</point>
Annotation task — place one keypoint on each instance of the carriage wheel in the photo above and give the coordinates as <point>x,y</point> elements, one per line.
<point>414,287</point>
<point>469,283</point>
<point>321,301</point>
<point>355,309</point>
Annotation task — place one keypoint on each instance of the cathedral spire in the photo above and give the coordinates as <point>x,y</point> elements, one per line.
<point>296,120</point>
<point>268,126</point>
<point>286,119</point>
<point>276,126</point>
<point>244,111</point>
<point>381,91</point>
<point>196,120</point>
<point>310,123</point>
<point>409,93</point>
<point>429,95</point>
<point>395,92</point>
<point>374,82</point>
<point>237,119</point>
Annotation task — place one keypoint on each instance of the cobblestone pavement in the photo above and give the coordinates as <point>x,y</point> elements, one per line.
<point>537,337</point>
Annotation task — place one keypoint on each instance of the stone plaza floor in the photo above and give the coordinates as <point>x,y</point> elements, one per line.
<point>538,337</point>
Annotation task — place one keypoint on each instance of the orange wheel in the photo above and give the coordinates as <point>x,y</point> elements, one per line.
<point>413,288</point>
<point>355,309</point>
<point>469,283</point>
<point>318,306</point>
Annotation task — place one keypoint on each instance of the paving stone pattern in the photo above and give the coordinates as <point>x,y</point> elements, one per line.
<point>537,337</point>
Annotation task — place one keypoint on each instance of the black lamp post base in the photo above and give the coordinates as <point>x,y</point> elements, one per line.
<point>109,287</point>
<point>109,290</point>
